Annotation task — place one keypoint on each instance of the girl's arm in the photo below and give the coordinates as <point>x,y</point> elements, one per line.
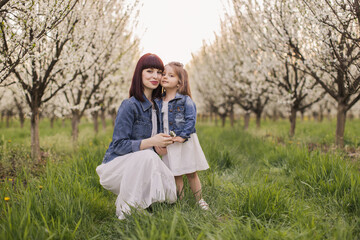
<point>190,119</point>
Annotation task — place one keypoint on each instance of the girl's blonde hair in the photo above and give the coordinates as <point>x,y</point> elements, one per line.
<point>184,84</point>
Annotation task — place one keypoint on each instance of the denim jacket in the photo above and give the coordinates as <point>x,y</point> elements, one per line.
<point>182,115</point>
<point>132,124</point>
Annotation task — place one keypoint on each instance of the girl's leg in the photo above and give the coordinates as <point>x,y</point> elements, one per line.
<point>179,186</point>
<point>195,185</point>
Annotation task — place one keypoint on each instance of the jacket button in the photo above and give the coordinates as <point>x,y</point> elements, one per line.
<point>170,123</point>
<point>170,110</point>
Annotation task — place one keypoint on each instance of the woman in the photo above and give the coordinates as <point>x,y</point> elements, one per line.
<point>130,168</point>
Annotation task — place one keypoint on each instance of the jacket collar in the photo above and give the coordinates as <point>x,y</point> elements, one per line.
<point>177,96</point>
<point>158,102</point>
<point>146,104</point>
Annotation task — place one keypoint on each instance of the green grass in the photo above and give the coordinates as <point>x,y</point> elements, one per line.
<point>314,132</point>
<point>261,185</point>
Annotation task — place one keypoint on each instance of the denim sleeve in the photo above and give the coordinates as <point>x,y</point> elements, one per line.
<point>123,144</point>
<point>190,119</point>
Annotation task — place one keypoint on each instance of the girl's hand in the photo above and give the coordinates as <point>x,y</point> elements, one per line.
<point>178,139</point>
<point>161,150</point>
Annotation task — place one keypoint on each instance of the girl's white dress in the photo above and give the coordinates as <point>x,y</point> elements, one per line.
<point>183,158</point>
<point>139,179</point>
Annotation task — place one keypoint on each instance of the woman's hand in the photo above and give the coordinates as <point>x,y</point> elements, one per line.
<point>161,150</point>
<point>178,139</point>
<point>162,140</point>
<point>159,140</point>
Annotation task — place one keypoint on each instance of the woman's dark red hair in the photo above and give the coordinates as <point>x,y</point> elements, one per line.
<point>148,60</point>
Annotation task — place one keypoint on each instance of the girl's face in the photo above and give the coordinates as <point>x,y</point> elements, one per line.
<point>151,78</point>
<point>169,78</point>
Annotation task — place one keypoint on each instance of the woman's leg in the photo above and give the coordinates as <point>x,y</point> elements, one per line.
<point>179,186</point>
<point>195,185</point>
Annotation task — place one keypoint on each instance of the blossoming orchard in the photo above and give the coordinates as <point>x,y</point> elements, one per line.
<point>70,59</point>
<point>63,59</point>
<point>264,144</point>
<point>293,56</point>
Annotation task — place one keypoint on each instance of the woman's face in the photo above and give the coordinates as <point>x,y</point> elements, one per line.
<point>169,79</point>
<point>151,78</point>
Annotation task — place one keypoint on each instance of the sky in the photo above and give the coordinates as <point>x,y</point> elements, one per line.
<point>174,29</point>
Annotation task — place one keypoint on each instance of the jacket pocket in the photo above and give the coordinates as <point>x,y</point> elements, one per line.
<point>142,128</point>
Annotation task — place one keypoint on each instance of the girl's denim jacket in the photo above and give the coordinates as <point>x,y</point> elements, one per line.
<point>182,115</point>
<point>132,124</point>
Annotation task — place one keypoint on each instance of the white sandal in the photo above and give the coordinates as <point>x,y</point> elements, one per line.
<point>203,205</point>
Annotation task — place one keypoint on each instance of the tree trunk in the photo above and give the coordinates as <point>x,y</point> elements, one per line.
<point>292,122</point>
<point>315,116</point>
<point>223,120</point>
<point>258,119</point>
<point>8,117</point>
<point>63,122</point>
<point>52,120</point>
<point>340,124</point>
<point>2,115</point>
<point>203,117</point>
<point>75,120</point>
<point>20,113</point>
<point>35,137</point>
<point>232,118</point>
<point>246,120</point>
<point>321,113</point>
<point>21,118</point>
<point>328,114</point>
<point>275,115</point>
<point>103,119</point>
<point>113,117</point>
<point>95,116</point>
<point>216,119</point>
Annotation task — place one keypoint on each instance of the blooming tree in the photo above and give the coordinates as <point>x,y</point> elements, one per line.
<point>102,46</point>
<point>334,52</point>
<point>274,25</point>
<point>22,25</point>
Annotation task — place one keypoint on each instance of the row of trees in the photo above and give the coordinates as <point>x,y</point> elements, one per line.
<point>291,54</point>
<point>74,58</point>
<point>62,58</point>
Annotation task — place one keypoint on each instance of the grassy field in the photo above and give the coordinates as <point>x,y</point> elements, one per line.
<point>261,185</point>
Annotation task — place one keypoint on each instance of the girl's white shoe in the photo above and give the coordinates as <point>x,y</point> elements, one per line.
<point>203,205</point>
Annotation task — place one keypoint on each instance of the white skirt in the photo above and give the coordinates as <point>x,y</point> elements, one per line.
<point>139,179</point>
<point>184,158</point>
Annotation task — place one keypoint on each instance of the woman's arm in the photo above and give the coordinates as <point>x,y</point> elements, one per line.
<point>122,142</point>
<point>124,122</point>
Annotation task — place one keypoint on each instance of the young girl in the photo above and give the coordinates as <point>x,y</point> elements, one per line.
<point>185,156</point>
